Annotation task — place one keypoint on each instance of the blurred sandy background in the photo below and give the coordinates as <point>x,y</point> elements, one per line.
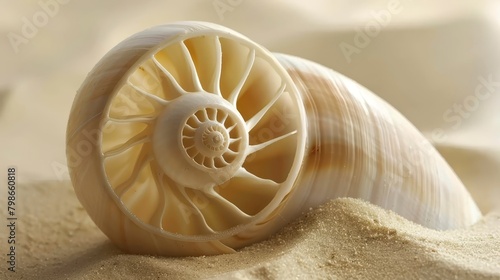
<point>424,57</point>
<point>438,62</point>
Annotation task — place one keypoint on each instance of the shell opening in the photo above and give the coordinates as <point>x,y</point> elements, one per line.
<point>204,137</point>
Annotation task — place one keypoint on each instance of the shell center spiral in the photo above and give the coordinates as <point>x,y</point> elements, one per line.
<point>213,139</point>
<point>200,140</point>
<point>208,138</point>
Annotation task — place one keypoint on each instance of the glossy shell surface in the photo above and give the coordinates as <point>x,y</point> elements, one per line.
<point>191,139</point>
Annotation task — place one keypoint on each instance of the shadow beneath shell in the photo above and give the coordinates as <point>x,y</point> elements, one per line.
<point>106,261</point>
<point>101,259</point>
<point>80,264</point>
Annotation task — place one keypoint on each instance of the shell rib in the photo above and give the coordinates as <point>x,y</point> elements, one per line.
<point>190,139</point>
<point>360,146</point>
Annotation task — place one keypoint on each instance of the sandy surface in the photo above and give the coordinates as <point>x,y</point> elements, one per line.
<point>429,58</point>
<point>344,239</point>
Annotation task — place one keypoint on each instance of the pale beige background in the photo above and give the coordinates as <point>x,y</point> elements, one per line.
<point>429,57</point>
<point>427,61</point>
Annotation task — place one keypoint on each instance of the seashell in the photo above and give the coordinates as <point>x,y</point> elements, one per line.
<point>190,139</point>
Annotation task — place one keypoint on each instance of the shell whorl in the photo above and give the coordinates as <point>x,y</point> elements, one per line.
<point>193,152</point>
<point>204,142</point>
<point>200,140</point>
<point>360,146</point>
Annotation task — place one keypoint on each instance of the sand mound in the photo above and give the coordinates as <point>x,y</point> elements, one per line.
<point>344,239</point>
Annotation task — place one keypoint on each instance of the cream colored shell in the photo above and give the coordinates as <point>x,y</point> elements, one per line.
<point>203,142</point>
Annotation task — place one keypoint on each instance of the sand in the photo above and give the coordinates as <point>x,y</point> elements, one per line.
<point>343,239</point>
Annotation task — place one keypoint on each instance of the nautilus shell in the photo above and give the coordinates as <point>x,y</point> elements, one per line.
<point>190,139</point>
